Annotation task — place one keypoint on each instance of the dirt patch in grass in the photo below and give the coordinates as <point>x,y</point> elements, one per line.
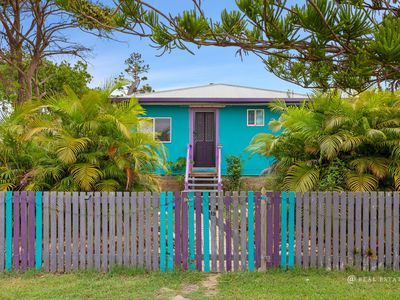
<point>211,283</point>
<point>206,288</point>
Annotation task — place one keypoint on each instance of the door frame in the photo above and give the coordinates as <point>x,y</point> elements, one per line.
<point>192,114</point>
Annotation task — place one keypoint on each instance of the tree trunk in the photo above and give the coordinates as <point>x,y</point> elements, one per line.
<point>21,89</point>
<point>29,74</point>
<point>28,84</point>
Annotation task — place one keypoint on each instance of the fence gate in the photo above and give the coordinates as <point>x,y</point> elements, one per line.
<point>216,232</point>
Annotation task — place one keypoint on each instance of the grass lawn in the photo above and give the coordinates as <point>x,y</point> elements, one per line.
<point>136,284</point>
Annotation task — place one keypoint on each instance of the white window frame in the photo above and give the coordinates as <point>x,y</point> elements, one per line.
<point>255,117</point>
<point>153,119</point>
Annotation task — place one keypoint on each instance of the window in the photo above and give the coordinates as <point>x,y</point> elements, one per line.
<point>162,128</point>
<point>159,127</point>
<point>255,117</point>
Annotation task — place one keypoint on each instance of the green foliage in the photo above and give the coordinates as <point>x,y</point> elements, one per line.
<point>234,173</point>
<point>136,68</point>
<point>71,143</point>
<point>333,178</point>
<point>178,167</point>
<point>8,83</point>
<point>334,143</point>
<point>53,77</point>
<point>90,14</point>
<point>351,45</point>
<point>49,80</point>
<point>386,43</point>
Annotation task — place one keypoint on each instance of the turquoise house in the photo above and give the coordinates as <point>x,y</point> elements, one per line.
<point>205,124</point>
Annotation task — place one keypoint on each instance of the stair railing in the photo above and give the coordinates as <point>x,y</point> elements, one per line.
<point>219,151</point>
<point>189,159</point>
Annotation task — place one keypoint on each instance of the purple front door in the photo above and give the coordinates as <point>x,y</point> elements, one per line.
<point>204,139</point>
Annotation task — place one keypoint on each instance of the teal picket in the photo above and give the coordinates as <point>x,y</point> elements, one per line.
<point>250,240</point>
<point>38,225</point>
<point>283,229</point>
<point>206,233</point>
<point>291,229</point>
<point>192,256</point>
<point>162,233</point>
<point>9,222</point>
<point>170,231</point>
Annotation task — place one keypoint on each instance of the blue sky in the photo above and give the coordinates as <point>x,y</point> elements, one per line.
<point>179,68</point>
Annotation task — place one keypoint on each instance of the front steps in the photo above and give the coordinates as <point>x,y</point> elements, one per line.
<point>203,182</point>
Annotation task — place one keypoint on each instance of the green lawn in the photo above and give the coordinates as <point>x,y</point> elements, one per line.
<point>134,284</point>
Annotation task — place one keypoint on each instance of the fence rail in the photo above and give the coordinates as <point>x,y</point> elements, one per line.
<point>234,231</point>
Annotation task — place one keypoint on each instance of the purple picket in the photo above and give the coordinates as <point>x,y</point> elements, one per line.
<point>276,229</point>
<point>269,229</point>
<point>185,232</point>
<point>228,234</point>
<point>257,202</point>
<point>177,202</point>
<point>24,237</point>
<point>16,231</point>
<point>31,256</point>
<point>198,231</point>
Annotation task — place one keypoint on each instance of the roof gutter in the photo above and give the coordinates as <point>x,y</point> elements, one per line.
<point>150,100</point>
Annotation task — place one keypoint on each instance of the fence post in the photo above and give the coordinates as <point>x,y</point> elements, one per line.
<point>184,232</point>
<point>191,232</point>
<point>291,230</point>
<point>16,231</point>
<point>198,230</point>
<point>38,247</point>
<point>162,232</point>
<point>250,203</point>
<point>177,225</point>
<point>257,206</point>
<point>206,232</point>
<point>2,231</point>
<point>170,232</point>
<point>283,229</point>
<point>8,231</point>
<point>276,229</point>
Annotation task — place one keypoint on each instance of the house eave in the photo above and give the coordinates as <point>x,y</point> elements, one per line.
<point>171,101</point>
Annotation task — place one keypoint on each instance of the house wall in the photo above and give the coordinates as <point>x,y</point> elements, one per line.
<point>234,134</point>
<point>180,127</point>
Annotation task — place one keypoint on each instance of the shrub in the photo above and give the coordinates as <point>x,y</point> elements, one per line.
<point>178,167</point>
<point>234,172</point>
<point>71,143</point>
<point>334,143</point>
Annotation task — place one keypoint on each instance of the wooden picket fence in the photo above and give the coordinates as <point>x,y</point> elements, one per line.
<point>234,231</point>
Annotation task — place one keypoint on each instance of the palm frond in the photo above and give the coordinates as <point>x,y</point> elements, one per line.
<point>278,106</point>
<point>334,122</point>
<point>302,177</point>
<point>107,185</point>
<point>85,175</point>
<point>330,145</point>
<point>359,182</point>
<point>378,166</point>
<point>68,148</point>
<point>262,143</point>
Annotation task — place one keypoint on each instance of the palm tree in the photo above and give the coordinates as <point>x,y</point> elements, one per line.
<point>71,143</point>
<point>334,143</point>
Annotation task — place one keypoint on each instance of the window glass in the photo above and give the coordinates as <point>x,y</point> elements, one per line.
<point>199,128</point>
<point>260,117</point>
<point>251,117</point>
<point>162,128</point>
<point>210,126</point>
<point>146,125</point>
